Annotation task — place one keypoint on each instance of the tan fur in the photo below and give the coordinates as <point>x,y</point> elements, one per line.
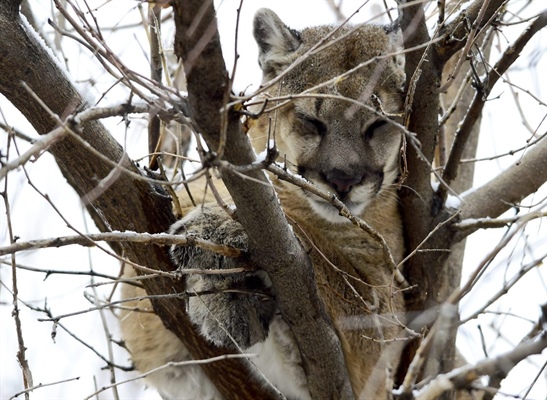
<point>363,312</point>
<point>353,278</point>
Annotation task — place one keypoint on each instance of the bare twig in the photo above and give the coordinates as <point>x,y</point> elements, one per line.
<point>471,38</point>
<point>429,235</point>
<point>17,133</point>
<point>57,318</point>
<point>170,364</point>
<point>56,322</point>
<point>131,79</point>
<point>453,106</point>
<point>528,144</point>
<point>336,9</point>
<point>70,121</point>
<point>487,223</point>
<point>458,294</point>
<point>455,32</point>
<point>42,385</point>
<point>444,321</point>
<point>49,272</point>
<point>506,286</point>
<point>21,352</point>
<point>154,124</point>
<point>75,122</point>
<point>160,239</point>
<point>111,365</point>
<point>41,145</point>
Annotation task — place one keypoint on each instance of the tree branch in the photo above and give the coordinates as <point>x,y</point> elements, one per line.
<point>462,378</point>
<point>456,32</point>
<point>274,249</point>
<point>508,188</point>
<point>160,239</point>
<point>487,223</point>
<point>156,69</point>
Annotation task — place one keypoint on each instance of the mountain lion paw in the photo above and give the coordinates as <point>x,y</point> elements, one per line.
<point>229,308</point>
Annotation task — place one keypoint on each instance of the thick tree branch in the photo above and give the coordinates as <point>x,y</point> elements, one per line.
<point>156,70</point>
<point>423,77</point>
<point>422,207</point>
<point>487,222</point>
<point>275,249</point>
<point>459,96</point>
<point>508,188</point>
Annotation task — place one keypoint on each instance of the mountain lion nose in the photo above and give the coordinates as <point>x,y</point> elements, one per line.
<point>342,182</point>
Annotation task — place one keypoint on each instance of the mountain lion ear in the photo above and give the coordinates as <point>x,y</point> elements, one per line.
<point>276,41</point>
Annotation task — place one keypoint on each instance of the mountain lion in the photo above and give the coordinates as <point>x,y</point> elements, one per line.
<point>336,132</point>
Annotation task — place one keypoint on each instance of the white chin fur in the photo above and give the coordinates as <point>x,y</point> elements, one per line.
<point>331,214</point>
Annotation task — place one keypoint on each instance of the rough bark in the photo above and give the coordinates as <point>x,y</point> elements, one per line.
<point>275,249</point>
<point>463,182</point>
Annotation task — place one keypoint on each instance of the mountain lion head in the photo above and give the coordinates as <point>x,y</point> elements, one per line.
<point>336,93</point>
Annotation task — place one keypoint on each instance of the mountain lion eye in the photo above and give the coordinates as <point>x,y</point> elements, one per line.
<point>369,132</point>
<point>312,125</point>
